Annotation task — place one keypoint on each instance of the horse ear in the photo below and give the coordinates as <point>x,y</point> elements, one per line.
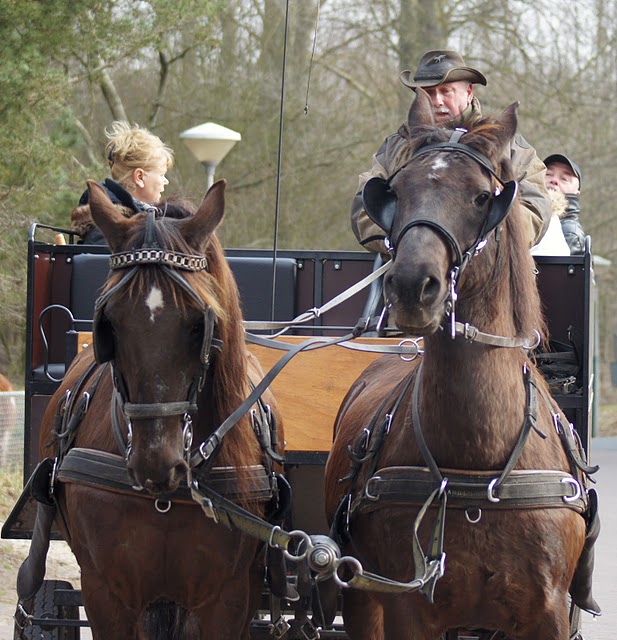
<point>421,110</point>
<point>380,203</point>
<point>509,123</point>
<point>107,217</point>
<point>199,227</point>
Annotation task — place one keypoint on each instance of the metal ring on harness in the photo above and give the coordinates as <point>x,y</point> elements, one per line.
<point>357,569</point>
<point>577,486</point>
<point>489,491</point>
<point>536,343</point>
<point>158,505</point>
<point>367,493</point>
<point>414,355</point>
<point>304,538</point>
<point>473,520</point>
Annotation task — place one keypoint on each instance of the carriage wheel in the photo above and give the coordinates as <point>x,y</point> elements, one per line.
<point>43,605</point>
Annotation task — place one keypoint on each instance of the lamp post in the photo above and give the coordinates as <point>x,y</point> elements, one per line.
<point>210,143</point>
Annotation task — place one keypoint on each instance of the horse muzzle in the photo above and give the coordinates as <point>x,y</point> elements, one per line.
<point>158,463</point>
<point>417,294</point>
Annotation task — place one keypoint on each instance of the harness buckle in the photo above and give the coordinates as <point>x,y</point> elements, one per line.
<point>310,631</point>
<point>208,447</point>
<point>470,332</point>
<point>280,628</point>
<point>208,508</point>
<point>367,493</point>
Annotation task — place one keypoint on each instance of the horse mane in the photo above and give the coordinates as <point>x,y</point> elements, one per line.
<point>513,248</point>
<point>217,288</point>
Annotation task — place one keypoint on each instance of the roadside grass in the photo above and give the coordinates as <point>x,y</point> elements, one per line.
<point>11,485</point>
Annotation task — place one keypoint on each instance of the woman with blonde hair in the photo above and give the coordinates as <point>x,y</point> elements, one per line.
<point>138,161</point>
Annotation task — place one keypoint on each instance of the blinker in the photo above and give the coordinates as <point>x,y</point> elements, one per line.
<point>103,338</point>
<point>380,203</point>
<point>500,207</point>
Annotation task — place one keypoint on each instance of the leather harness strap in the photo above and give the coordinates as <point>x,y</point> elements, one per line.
<point>108,471</point>
<point>522,489</point>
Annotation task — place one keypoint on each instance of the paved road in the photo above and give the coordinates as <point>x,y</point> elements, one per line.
<point>604,453</point>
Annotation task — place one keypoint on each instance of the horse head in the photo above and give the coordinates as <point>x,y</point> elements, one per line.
<point>443,206</point>
<point>156,321</point>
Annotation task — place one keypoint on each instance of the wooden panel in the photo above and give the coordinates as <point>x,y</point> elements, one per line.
<point>310,389</point>
<point>84,340</point>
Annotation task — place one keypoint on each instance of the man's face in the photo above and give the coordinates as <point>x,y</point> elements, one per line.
<point>560,177</point>
<point>450,99</point>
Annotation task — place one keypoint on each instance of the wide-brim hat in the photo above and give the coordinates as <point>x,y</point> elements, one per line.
<point>558,157</point>
<point>437,67</point>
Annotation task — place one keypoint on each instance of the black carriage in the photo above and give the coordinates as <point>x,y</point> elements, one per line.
<point>63,284</point>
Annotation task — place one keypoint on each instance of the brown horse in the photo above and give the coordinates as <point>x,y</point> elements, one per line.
<point>457,236</point>
<point>170,321</point>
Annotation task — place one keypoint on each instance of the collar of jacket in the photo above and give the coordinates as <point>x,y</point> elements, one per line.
<point>473,110</point>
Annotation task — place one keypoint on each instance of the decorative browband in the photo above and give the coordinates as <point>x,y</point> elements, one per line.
<point>158,256</point>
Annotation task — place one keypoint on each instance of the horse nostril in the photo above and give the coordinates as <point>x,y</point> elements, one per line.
<point>428,290</point>
<point>179,471</point>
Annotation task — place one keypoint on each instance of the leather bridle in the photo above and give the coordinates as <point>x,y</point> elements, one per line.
<point>380,203</point>
<point>172,263</point>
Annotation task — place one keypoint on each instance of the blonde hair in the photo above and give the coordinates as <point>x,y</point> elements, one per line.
<point>133,147</point>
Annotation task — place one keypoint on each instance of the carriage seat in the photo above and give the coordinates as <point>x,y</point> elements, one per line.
<point>89,272</point>
<point>254,278</point>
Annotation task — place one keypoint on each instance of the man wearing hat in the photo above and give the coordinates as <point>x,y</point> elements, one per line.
<point>563,178</point>
<point>449,83</point>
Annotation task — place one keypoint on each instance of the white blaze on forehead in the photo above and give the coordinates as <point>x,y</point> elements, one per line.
<point>154,301</point>
<point>440,163</point>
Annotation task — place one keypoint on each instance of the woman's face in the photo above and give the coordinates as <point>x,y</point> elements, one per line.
<point>150,184</point>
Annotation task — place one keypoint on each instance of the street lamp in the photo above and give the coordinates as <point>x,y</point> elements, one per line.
<point>210,143</point>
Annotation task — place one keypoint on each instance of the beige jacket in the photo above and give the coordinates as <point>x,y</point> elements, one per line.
<point>528,170</point>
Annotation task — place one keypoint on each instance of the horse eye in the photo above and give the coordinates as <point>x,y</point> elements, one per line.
<point>197,330</point>
<point>482,199</point>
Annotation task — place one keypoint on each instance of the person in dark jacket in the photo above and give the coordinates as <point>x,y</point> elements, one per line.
<point>564,176</point>
<point>138,161</point>
<point>449,83</point>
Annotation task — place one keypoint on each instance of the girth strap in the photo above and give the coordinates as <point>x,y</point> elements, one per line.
<point>523,489</point>
<point>108,471</point>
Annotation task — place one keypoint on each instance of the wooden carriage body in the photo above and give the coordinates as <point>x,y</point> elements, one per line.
<point>63,284</point>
